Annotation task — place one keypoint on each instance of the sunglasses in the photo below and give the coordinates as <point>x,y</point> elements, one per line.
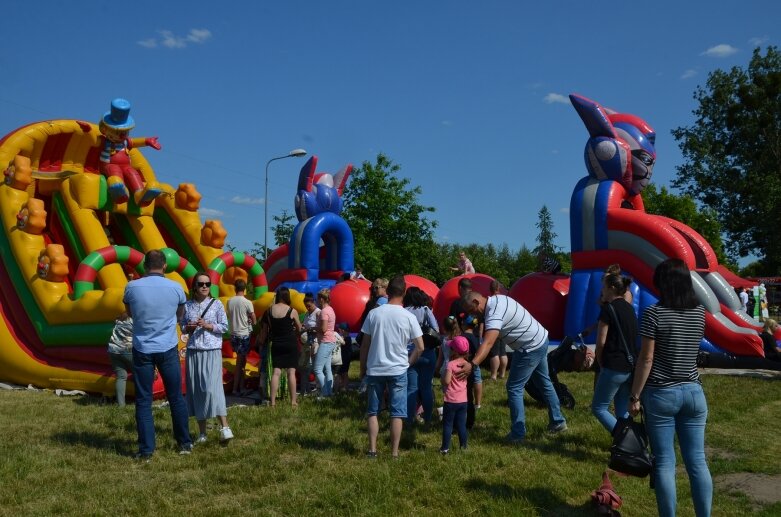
<point>203,284</point>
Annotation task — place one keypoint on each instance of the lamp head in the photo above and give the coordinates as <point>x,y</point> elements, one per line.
<point>297,153</point>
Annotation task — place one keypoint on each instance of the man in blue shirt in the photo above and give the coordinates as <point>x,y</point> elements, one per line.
<point>155,304</point>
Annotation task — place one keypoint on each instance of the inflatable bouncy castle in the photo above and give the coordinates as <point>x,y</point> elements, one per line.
<point>80,206</point>
<point>609,224</point>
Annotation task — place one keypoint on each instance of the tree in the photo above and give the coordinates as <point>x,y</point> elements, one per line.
<point>392,233</point>
<point>683,208</point>
<point>545,247</point>
<point>283,230</point>
<point>733,155</point>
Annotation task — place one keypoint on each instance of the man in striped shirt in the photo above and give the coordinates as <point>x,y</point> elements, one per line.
<point>507,320</point>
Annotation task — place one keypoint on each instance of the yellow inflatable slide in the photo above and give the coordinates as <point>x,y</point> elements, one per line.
<point>67,251</point>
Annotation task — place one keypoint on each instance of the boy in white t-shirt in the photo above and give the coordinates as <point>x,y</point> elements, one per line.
<point>241,317</point>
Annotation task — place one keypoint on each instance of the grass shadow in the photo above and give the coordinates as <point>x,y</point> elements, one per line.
<point>537,497</point>
<point>98,441</point>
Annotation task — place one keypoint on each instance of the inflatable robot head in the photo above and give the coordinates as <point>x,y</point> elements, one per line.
<point>621,147</point>
<point>319,192</point>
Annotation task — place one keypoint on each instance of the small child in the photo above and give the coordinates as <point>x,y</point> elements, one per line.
<point>455,394</point>
<point>475,381</point>
<point>120,351</point>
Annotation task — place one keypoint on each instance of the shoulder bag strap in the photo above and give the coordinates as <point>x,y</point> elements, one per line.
<point>207,309</point>
<point>614,319</point>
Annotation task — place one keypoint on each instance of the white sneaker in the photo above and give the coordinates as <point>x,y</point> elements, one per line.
<point>201,439</point>
<point>226,435</point>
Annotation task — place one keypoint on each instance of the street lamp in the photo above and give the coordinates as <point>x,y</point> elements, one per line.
<point>295,153</point>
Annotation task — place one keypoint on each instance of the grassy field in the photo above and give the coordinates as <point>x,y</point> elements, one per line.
<point>72,456</point>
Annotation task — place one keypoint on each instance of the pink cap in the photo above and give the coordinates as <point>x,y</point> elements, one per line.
<point>459,344</point>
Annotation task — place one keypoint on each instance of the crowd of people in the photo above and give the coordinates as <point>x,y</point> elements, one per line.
<point>402,348</point>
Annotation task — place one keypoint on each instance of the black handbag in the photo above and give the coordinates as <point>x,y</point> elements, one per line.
<point>431,338</point>
<point>629,453</point>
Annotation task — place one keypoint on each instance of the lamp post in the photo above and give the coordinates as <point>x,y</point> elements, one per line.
<point>295,153</point>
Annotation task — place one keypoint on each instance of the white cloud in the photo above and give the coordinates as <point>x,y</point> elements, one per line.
<point>239,200</point>
<point>552,98</point>
<point>759,41</point>
<point>170,40</point>
<point>722,50</point>
<point>148,43</point>
<point>210,212</point>
<point>447,122</point>
<point>688,74</point>
<point>564,210</point>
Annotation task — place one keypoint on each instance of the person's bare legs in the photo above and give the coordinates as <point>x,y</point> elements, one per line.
<point>202,427</point>
<point>502,366</point>
<point>274,385</point>
<point>374,429</point>
<point>223,420</point>
<point>291,384</point>
<point>395,432</point>
<point>478,391</point>
<point>494,364</point>
<point>238,373</point>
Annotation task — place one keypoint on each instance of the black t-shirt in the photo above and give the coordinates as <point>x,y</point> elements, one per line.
<point>614,353</point>
<point>769,343</point>
<point>474,343</point>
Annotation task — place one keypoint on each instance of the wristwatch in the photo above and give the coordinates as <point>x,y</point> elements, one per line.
<point>634,399</point>
<point>475,366</point>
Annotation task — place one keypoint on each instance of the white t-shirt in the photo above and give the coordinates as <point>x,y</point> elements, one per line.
<point>517,327</point>
<point>744,300</point>
<point>391,327</point>
<point>238,316</point>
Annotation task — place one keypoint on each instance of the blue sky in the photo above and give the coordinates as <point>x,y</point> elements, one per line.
<point>468,97</point>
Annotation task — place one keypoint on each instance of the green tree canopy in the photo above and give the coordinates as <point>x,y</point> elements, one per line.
<point>684,209</point>
<point>733,155</point>
<point>392,233</point>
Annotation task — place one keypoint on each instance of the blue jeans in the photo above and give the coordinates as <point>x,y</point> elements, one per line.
<point>397,393</point>
<point>682,411</point>
<point>612,386</point>
<point>425,366</point>
<point>453,414</point>
<point>323,364</point>
<point>168,365</point>
<point>532,366</point>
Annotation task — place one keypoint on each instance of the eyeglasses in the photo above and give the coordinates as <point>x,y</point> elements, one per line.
<point>203,284</point>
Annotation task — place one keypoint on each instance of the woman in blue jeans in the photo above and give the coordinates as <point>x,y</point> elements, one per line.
<point>616,337</point>
<point>667,381</point>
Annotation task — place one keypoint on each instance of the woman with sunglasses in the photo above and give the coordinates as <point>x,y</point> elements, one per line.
<point>204,321</point>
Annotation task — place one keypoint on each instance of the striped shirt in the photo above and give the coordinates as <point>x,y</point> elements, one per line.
<point>517,327</point>
<point>677,334</point>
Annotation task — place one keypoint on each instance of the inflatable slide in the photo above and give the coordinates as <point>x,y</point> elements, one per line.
<point>70,242</point>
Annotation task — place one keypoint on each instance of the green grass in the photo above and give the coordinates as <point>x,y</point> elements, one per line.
<point>71,456</point>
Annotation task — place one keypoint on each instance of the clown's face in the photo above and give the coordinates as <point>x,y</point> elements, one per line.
<point>114,135</point>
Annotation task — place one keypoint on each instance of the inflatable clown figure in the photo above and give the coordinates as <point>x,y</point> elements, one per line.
<point>115,164</point>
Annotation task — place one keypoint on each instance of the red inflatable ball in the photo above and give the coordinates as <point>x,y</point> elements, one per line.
<point>348,299</point>
<point>424,284</point>
<point>449,292</point>
<point>545,296</point>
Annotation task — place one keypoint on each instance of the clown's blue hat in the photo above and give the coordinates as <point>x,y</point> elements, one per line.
<point>119,116</point>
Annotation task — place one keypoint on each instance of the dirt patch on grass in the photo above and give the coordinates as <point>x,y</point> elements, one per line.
<point>760,488</point>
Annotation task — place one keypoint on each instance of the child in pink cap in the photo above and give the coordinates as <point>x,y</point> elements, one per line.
<point>454,412</point>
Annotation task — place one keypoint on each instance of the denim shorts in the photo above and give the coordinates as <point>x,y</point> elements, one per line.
<point>397,394</point>
<point>477,375</point>
<point>240,344</point>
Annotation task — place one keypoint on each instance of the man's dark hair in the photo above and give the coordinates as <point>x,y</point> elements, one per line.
<point>154,259</point>
<point>240,285</point>
<point>396,287</point>
<point>465,283</point>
